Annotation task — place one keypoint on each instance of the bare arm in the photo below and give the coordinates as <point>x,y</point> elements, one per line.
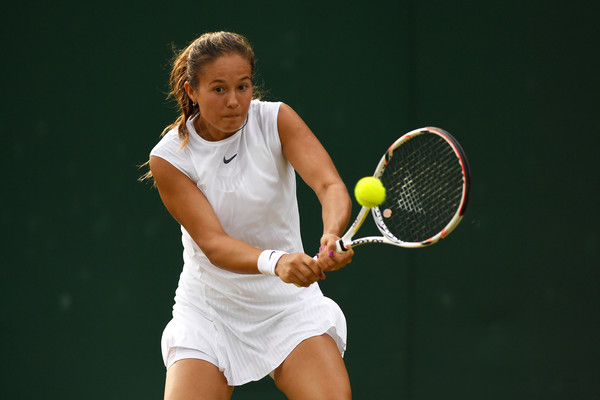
<point>188,205</point>
<point>311,161</point>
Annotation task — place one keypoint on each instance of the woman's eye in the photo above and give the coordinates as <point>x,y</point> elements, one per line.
<point>218,90</point>
<point>243,87</point>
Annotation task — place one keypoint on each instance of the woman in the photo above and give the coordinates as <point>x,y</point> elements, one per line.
<point>247,303</point>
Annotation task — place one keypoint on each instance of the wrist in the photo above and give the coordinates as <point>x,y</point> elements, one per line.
<point>267,261</point>
<point>328,236</point>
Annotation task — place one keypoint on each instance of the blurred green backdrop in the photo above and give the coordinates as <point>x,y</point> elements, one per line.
<point>507,307</point>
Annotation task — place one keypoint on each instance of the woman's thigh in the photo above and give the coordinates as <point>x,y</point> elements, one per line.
<point>314,370</point>
<point>190,378</point>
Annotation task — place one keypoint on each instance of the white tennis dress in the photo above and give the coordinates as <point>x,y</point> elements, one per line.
<point>249,323</point>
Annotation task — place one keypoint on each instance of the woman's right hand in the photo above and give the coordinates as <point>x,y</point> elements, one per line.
<point>299,269</point>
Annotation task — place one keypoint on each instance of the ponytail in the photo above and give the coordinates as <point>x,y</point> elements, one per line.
<point>188,109</point>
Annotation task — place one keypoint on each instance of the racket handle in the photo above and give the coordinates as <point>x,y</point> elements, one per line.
<point>340,246</point>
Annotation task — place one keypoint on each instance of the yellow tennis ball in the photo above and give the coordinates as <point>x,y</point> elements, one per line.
<point>369,192</point>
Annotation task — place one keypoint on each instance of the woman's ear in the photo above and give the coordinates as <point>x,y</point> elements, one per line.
<point>189,89</point>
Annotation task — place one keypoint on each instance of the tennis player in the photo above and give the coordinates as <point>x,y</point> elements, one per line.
<point>248,303</point>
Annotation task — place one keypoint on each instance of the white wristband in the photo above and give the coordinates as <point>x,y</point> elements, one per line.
<point>267,261</point>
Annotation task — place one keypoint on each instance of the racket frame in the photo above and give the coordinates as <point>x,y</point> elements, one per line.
<point>347,240</point>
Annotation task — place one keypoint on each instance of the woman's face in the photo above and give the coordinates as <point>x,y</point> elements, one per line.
<point>223,93</point>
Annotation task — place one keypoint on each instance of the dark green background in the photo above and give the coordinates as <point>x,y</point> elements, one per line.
<point>506,307</point>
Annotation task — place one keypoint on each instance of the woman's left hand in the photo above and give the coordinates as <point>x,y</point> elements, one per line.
<point>329,259</point>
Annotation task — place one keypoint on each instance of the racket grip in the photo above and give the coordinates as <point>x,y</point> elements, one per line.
<point>340,246</point>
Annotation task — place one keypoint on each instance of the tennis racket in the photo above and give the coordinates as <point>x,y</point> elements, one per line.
<point>427,181</point>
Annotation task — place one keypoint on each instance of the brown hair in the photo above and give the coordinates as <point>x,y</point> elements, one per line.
<point>187,67</point>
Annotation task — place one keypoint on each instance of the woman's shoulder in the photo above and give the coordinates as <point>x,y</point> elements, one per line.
<point>264,107</point>
<point>170,147</point>
<point>264,114</point>
<point>169,140</point>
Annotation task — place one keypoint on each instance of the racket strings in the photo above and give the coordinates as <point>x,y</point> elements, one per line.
<point>424,184</point>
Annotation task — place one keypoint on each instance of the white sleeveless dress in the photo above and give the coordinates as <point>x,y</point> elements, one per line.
<point>249,323</point>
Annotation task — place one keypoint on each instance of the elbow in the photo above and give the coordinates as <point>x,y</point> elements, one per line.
<point>209,244</point>
<point>342,195</point>
<point>212,251</point>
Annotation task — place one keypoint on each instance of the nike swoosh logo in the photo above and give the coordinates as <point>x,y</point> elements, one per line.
<point>270,255</point>
<point>228,160</point>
